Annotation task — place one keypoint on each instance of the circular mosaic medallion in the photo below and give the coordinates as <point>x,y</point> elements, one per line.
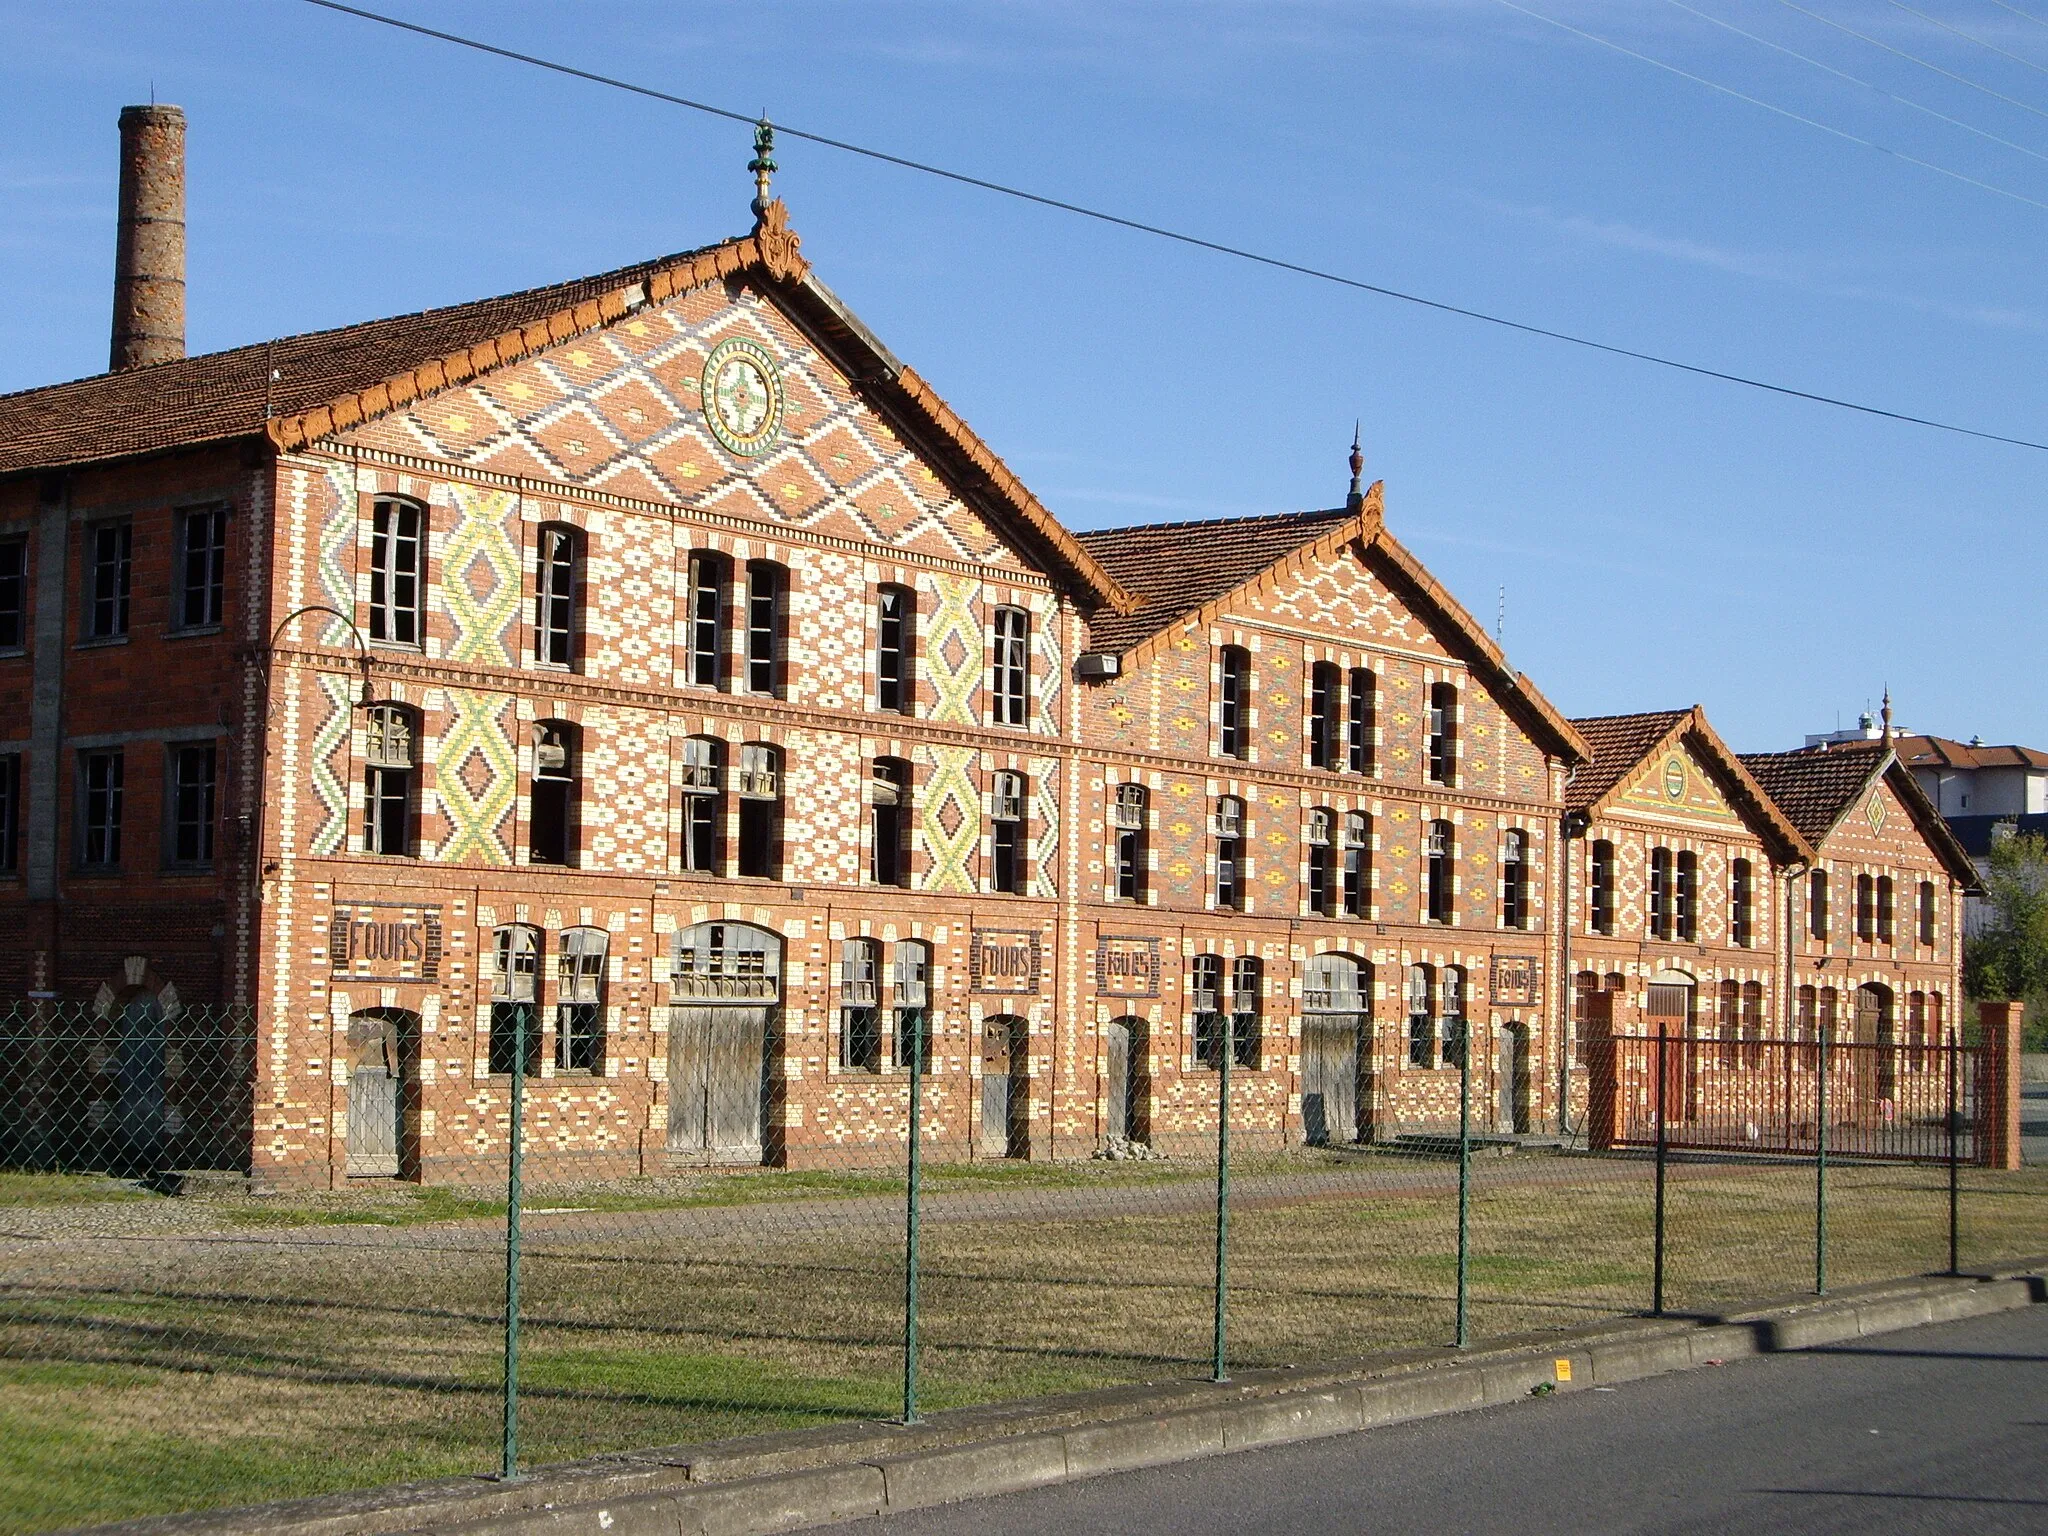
<point>1674,780</point>
<point>742,396</point>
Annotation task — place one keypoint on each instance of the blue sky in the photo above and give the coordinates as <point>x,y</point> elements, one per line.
<point>1663,540</point>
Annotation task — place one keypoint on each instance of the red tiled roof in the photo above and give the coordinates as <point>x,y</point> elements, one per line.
<point>1814,787</point>
<point>1617,743</point>
<point>223,395</point>
<point>1181,566</point>
<point>1940,752</point>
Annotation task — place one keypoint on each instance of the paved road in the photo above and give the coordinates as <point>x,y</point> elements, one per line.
<point>1941,1429</point>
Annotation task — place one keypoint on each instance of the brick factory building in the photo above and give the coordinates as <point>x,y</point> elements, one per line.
<point>656,658</point>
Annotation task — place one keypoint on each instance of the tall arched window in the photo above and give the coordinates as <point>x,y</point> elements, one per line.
<point>1234,702</point>
<point>1010,672</point>
<point>889,821</point>
<point>1685,905</point>
<point>1247,986</point>
<point>1325,702</point>
<point>860,1004</point>
<point>1363,731</point>
<point>390,797</point>
<point>515,989</point>
<point>760,796</point>
<point>1207,1005</point>
<point>1322,857</point>
<point>911,961</point>
<point>1451,1027</point>
<point>767,605</point>
<point>1421,1016</point>
<point>703,775</point>
<point>710,576</point>
<point>1600,887</point>
<point>1866,909</point>
<point>551,828</point>
<point>895,650</point>
<point>1727,1002</point>
<point>1886,921</point>
<point>1514,879</point>
<point>398,570</point>
<point>1660,893</point>
<point>1128,852</point>
<point>1927,913</point>
<point>1357,864</point>
<point>1009,794</point>
<point>1752,1024</point>
<point>1442,760</point>
<point>579,1000</point>
<point>557,573</point>
<point>1741,904</point>
<point>1230,835</point>
<point>1440,853</point>
<point>1817,904</point>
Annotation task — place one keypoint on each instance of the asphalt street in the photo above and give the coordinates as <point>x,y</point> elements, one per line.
<point>1941,1429</point>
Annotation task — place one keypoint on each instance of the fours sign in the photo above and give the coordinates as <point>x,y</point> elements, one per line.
<point>1127,966</point>
<point>376,942</point>
<point>1517,981</point>
<point>1004,960</point>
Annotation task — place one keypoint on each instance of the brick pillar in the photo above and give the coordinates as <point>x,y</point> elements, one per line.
<point>1603,1072</point>
<point>2000,1101</point>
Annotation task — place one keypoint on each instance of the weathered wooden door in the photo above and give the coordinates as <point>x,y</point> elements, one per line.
<point>1876,1060</point>
<point>376,1097</point>
<point>1514,1080</point>
<point>1667,1010</point>
<point>1116,1072</point>
<point>718,1081</point>
<point>1005,1089</point>
<point>1329,1077</point>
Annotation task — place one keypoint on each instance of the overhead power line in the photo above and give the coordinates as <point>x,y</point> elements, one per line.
<point>1790,53</point>
<point>1196,242</point>
<point>1757,101</point>
<point>1912,58</point>
<point>1969,37</point>
<point>2029,15</point>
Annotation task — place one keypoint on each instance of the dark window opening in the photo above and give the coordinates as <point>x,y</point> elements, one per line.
<point>109,575</point>
<point>1010,687</point>
<point>1440,852</point>
<point>1362,741</point>
<point>1127,819</point>
<point>10,810</point>
<point>1601,885</point>
<point>1421,1016</point>
<point>1443,734</point>
<point>1230,853</point>
<point>889,822</point>
<point>13,594</point>
<point>1885,917</point>
<point>100,777</point>
<point>1866,908</point>
<point>515,986</point>
<point>1205,999</point>
<point>552,830</point>
<point>760,796</point>
<point>1245,993</point>
<point>1685,906</point>
<point>1357,864</point>
<point>1927,913</point>
<point>1324,702</point>
<point>1514,880</point>
<point>1817,904</point>
<point>192,803</point>
<point>708,575</point>
<point>1660,893</point>
<point>767,600</point>
<point>1742,904</point>
<point>913,962</point>
<point>1322,896</point>
<point>860,1006</point>
<point>1233,706</point>
<point>388,782</point>
<point>1452,1025</point>
<point>703,804</point>
<point>895,649</point>
<point>554,606</point>
<point>397,570</point>
<point>202,567</point>
<point>1006,869</point>
<point>579,1001</point>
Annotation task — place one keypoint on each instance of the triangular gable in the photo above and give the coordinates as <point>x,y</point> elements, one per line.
<point>770,258</point>
<point>1688,773</point>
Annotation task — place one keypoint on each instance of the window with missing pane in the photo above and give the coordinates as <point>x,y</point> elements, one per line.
<point>889,821</point>
<point>895,649</point>
<point>1128,855</point>
<point>13,594</point>
<point>1233,702</point>
<point>191,803</point>
<point>709,575</point>
<point>760,796</point>
<point>703,774</point>
<point>551,830</point>
<point>1357,864</point>
<point>202,567</point>
<point>1324,709</point>
<point>860,1006</point>
<point>515,988</point>
<point>1362,741</point>
<point>390,745</point>
<point>579,1000</point>
<point>557,567</point>
<point>767,599</point>
<point>109,572</point>
<point>1322,837</point>
<point>1006,849</point>
<point>1230,835</point>
<point>1010,680</point>
<point>397,570</point>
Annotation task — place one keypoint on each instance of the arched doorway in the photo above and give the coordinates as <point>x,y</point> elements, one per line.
<point>1005,1087</point>
<point>1125,1044</point>
<point>1668,1012</point>
<point>1515,1080</point>
<point>1334,1013</point>
<point>1876,1061</point>
<point>726,982</point>
<point>383,1047</point>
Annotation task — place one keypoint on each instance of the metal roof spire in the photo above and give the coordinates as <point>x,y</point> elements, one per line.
<point>1886,715</point>
<point>1356,500</point>
<point>763,163</point>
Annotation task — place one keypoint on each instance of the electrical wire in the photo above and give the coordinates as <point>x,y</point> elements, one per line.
<point>1757,101</point>
<point>1853,80</point>
<point>2011,101</point>
<point>1968,38</point>
<point>2029,15</point>
<point>1194,241</point>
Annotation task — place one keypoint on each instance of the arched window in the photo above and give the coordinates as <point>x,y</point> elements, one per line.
<point>1585,987</point>
<point>1440,852</point>
<point>1927,913</point>
<point>551,828</point>
<point>1443,734</point>
<point>703,775</point>
<point>912,962</point>
<point>767,604</point>
<point>1806,1026</point>
<point>760,796</point>
<point>1362,742</point>
<point>1829,1023</point>
<point>1741,904</point>
<point>1916,1031</point>
<point>557,579</point>
<point>1451,992</point>
<point>1206,1002</point>
<point>710,575</point>
<point>1322,854</point>
<point>1230,836</point>
<point>1010,673</point>
<point>1234,702</point>
<point>1886,921</point>
<point>1357,864</point>
<point>391,758</point>
<point>895,650</point>
<point>726,962</point>
<point>1128,853</point>
<point>1725,1021</point>
<point>515,988</point>
<point>1514,879</point>
<point>579,1000</point>
<point>1008,797</point>
<point>1421,1016</point>
<point>1600,888</point>
<point>1660,893</point>
<point>1866,909</point>
<point>1685,906</point>
<point>1752,1024</point>
<point>860,1005</point>
<point>1246,990</point>
<point>398,570</point>
<point>889,821</point>
<point>1325,702</point>
<point>1817,904</point>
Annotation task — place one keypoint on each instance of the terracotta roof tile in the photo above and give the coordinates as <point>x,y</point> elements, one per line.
<point>1813,787</point>
<point>1618,743</point>
<point>1180,566</point>
<point>225,395</point>
<point>1940,752</point>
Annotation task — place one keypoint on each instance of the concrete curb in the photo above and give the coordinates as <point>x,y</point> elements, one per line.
<point>799,1478</point>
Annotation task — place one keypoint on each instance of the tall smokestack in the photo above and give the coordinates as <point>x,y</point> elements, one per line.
<point>149,252</point>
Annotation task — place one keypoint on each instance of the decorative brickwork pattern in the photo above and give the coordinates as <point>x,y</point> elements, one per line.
<point>476,778</point>
<point>480,577</point>
<point>949,826</point>
<point>328,753</point>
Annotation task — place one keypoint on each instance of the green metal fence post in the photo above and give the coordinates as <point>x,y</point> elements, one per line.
<point>509,1468</point>
<point>1229,1050</point>
<point>1464,1175</point>
<point>1954,1166</point>
<point>1657,1239</point>
<point>1820,1168</point>
<point>911,1216</point>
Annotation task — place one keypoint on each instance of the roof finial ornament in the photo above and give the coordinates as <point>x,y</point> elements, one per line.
<point>763,163</point>
<point>1886,715</point>
<point>1356,500</point>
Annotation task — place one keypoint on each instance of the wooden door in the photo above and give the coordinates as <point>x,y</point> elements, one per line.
<point>374,1102</point>
<point>1514,1080</point>
<point>1667,1010</point>
<point>1329,1077</point>
<point>1004,1088</point>
<point>718,1081</point>
<point>1116,1072</point>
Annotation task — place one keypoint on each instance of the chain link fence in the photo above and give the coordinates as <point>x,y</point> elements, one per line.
<point>174,1336</point>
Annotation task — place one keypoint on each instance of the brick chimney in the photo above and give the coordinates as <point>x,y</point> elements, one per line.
<point>149,251</point>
